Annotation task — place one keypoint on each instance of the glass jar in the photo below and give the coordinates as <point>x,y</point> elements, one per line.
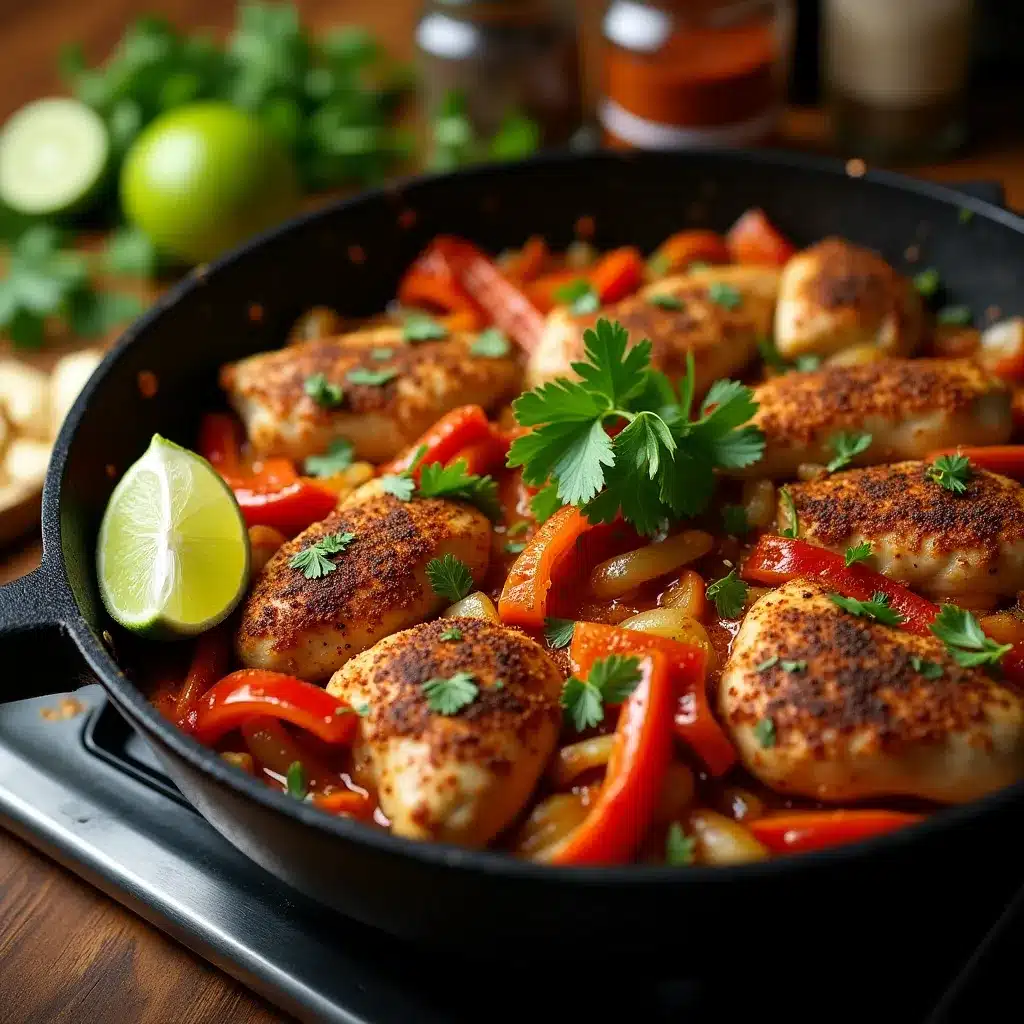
<point>490,62</point>
<point>896,75</point>
<point>681,73</point>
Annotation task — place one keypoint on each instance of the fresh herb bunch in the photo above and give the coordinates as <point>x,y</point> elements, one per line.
<point>661,465</point>
<point>456,142</point>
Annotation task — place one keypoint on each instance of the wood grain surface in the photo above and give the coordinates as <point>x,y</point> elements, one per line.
<point>67,952</point>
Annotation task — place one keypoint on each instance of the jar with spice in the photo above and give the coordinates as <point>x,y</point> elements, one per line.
<point>680,73</point>
<point>499,77</point>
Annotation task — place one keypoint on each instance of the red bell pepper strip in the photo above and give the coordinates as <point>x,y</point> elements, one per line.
<point>270,499</point>
<point>677,252</point>
<point>467,425</point>
<point>617,274</point>
<point>274,749</point>
<point>547,576</point>
<point>618,821</point>
<point>220,442</point>
<point>209,662</point>
<point>529,263</point>
<point>753,239</point>
<point>346,802</point>
<point>795,831</point>
<point>1007,459</point>
<point>486,455</point>
<point>252,691</point>
<point>431,283</point>
<point>694,722</point>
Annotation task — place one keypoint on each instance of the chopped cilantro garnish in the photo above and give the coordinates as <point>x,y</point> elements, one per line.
<point>419,327</point>
<point>680,849</point>
<point>764,732</point>
<point>929,669</point>
<point>964,638</point>
<point>611,680</point>
<point>729,594</point>
<point>724,295</point>
<point>450,577</point>
<point>847,447</point>
<point>558,632</point>
<point>515,547</point>
<point>399,485</point>
<point>793,666</point>
<point>579,296</point>
<point>322,391</point>
<point>381,354</point>
<point>314,560</point>
<point>768,663</point>
<point>491,344</point>
<point>451,633</point>
<point>663,300</point>
<point>858,552</point>
<point>927,282</point>
<point>337,458</point>
<point>951,472</point>
<point>373,378</point>
<point>877,608</point>
<point>449,696</point>
<point>457,484</point>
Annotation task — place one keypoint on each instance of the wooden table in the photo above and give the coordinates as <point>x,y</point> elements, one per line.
<point>66,951</point>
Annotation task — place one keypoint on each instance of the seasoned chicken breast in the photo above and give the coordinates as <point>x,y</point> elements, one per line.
<point>835,295</point>
<point>722,335</point>
<point>909,406</point>
<point>428,379</point>
<point>949,546</point>
<point>311,627</point>
<point>856,716</point>
<point>458,778</point>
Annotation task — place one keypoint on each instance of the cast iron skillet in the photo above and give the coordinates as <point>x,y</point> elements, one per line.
<point>350,256</point>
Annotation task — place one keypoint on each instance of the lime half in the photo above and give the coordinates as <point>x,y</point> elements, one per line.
<point>173,551</point>
<point>53,157</point>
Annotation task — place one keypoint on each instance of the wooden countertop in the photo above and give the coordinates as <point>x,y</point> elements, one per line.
<point>67,952</point>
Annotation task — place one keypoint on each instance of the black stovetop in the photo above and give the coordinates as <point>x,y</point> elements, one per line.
<point>87,791</point>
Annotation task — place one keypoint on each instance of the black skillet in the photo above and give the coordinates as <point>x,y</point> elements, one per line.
<point>350,256</point>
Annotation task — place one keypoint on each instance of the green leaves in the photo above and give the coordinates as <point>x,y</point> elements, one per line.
<point>792,531</point>
<point>456,142</point>
<point>449,577</point>
<point>449,696</point>
<point>400,486</point>
<point>419,327</point>
<point>847,447</point>
<point>314,561</point>
<point>338,457</point>
<point>611,681</point>
<point>491,344</point>
<point>929,669</point>
<point>960,631</point>
<point>296,782</point>
<point>558,632</point>
<point>579,296</point>
<point>764,733</point>
<point>954,316</point>
<point>371,378</point>
<point>451,633</point>
<point>680,849</point>
<point>858,553</point>
<point>877,608</point>
<point>729,594</point>
<point>951,472</point>
<point>456,483</point>
<point>927,282</point>
<point>129,251</point>
<point>665,300</point>
<point>660,465</point>
<point>724,295</point>
<point>322,391</point>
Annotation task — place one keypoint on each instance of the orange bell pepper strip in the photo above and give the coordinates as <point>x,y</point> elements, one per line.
<point>529,263</point>
<point>693,720</point>
<point>431,283</point>
<point>251,691</point>
<point>796,831</point>
<point>753,239</point>
<point>346,802</point>
<point>677,252</point>
<point>210,661</point>
<point>455,430</point>
<point>547,576</point>
<point>618,821</point>
<point>486,455</point>
<point>465,320</point>
<point>617,274</point>
<point>1007,459</point>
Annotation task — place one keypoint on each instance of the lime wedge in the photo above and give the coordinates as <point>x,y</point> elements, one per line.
<point>173,550</point>
<point>53,156</point>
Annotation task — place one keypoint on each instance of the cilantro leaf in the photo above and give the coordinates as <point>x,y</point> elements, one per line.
<point>964,638</point>
<point>877,608</point>
<point>545,503</point>
<point>579,296</point>
<point>729,594</point>
<point>559,632</point>
<point>420,327</point>
<point>296,781</point>
<point>927,282</point>
<point>313,560</point>
<point>491,344</point>
<point>727,405</point>
<point>951,472</point>
<point>739,448</point>
<point>322,391</point>
<point>793,529</point>
<point>858,553</point>
<point>734,519</point>
<point>449,577</point>
<point>612,367</point>
<point>400,486</point>
<point>954,316</point>
<point>764,732</point>
<point>847,447</point>
<point>929,669</point>
<point>680,849</point>
<point>611,680</point>
<point>724,295</point>
<point>574,452</point>
<point>456,483</point>
<point>372,378</point>
<point>337,458</point>
<point>640,444</point>
<point>451,633</point>
<point>665,300</point>
<point>583,703</point>
<point>449,696</point>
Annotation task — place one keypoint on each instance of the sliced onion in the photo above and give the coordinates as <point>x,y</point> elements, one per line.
<point>575,759</point>
<point>619,575</point>
<point>722,841</point>
<point>686,595</point>
<point>549,823</point>
<point>674,624</point>
<point>474,606</point>
<point>759,503</point>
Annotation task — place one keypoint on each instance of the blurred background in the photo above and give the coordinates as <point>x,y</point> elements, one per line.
<point>142,138</point>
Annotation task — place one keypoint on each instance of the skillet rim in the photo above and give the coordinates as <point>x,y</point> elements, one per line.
<point>134,704</point>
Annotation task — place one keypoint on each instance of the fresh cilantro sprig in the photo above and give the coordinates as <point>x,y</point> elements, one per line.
<point>680,849</point>
<point>448,696</point>
<point>451,633</point>
<point>559,632</point>
<point>877,608</point>
<point>338,457</point>
<point>314,561</point>
<point>420,327</point>
<point>491,344</point>
<point>450,577</point>
<point>370,378</point>
<point>579,296</point>
<point>951,472</point>
<point>964,638</point>
<point>322,391</point>
<point>457,483</point>
<point>858,553</point>
<point>847,447</point>
<point>610,681</point>
<point>729,594</point>
<point>661,464</point>
<point>929,669</point>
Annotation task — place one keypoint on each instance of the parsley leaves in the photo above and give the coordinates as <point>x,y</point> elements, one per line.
<point>793,529</point>
<point>959,630</point>
<point>951,472</point>
<point>449,696</point>
<point>929,669</point>
<point>724,295</point>
<point>847,447</point>
<point>314,561</point>
<point>680,849</point>
<point>558,632</point>
<point>729,594</point>
<point>877,608</point>
<point>322,391</point>
<point>491,344</point>
<point>456,483</point>
<point>858,553</point>
<point>420,327</point>
<point>660,465</point>
<point>337,458</point>
<point>296,781</point>
<point>449,577</point>
<point>611,681</point>
<point>372,378</point>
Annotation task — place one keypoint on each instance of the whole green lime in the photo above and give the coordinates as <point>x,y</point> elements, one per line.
<point>204,177</point>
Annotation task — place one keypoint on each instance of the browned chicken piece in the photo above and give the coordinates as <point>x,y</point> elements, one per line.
<point>269,391</point>
<point>462,777</point>
<point>836,296</point>
<point>910,407</point>
<point>311,627</point>
<point>722,334</point>
<point>967,547</point>
<point>833,707</point>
